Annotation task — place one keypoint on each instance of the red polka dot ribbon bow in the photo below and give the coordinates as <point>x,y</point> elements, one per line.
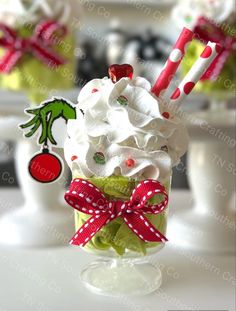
<point>205,31</point>
<point>87,198</point>
<point>39,45</point>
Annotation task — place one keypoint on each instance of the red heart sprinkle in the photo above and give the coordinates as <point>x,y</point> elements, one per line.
<point>116,72</point>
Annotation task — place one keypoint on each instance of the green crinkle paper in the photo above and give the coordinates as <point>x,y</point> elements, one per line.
<point>224,84</point>
<point>36,78</point>
<point>116,235</point>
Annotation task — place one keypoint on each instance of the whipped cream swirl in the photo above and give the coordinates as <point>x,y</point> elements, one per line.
<point>122,132</point>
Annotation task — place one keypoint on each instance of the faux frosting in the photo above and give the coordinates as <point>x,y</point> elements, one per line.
<point>15,13</point>
<point>122,132</point>
<point>186,13</point>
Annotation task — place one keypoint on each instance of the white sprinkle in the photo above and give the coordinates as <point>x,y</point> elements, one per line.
<point>91,211</point>
<point>163,240</point>
<point>81,195</point>
<point>86,240</point>
<point>94,204</point>
<point>86,225</point>
<point>71,202</point>
<point>149,193</point>
<point>136,231</point>
<point>158,235</point>
<point>88,200</point>
<point>90,185</point>
<point>97,216</point>
<point>146,223</point>
<point>91,220</point>
<point>130,225</point>
<point>84,182</point>
<point>81,230</point>
<point>144,198</point>
<point>152,229</point>
<point>76,236</point>
<point>141,217</point>
<point>97,212</point>
<point>74,192</point>
<point>84,209</point>
<point>141,236</point>
<point>146,181</point>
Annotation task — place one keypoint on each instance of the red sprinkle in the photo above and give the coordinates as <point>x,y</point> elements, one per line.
<point>74,157</point>
<point>94,90</point>
<point>130,162</point>
<point>166,115</point>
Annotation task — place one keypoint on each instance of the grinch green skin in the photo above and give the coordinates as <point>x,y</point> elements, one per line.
<point>224,85</point>
<point>117,235</point>
<point>45,115</point>
<point>36,78</point>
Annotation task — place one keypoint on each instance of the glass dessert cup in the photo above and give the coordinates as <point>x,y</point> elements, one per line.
<point>124,266</point>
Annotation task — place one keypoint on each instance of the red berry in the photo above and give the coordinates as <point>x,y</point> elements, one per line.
<point>166,115</point>
<point>130,162</point>
<point>116,72</point>
<point>74,157</point>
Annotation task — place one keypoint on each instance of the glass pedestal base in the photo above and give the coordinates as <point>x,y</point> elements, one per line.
<point>121,277</point>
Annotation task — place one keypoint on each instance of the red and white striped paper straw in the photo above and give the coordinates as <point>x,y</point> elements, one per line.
<point>196,72</point>
<point>173,62</point>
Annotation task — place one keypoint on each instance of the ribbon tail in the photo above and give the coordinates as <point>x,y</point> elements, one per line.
<point>142,227</point>
<point>9,60</point>
<point>46,55</point>
<point>89,229</point>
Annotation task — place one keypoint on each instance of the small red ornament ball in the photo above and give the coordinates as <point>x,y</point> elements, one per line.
<point>45,167</point>
<point>130,162</point>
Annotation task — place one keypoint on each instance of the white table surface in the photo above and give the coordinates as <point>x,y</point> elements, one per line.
<point>47,279</point>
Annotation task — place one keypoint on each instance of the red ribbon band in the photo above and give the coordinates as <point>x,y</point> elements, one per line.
<point>205,31</point>
<point>38,45</point>
<point>87,198</point>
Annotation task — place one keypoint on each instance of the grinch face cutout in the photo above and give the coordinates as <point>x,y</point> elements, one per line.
<point>45,166</point>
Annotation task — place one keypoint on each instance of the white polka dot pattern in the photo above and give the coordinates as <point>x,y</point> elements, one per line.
<point>87,198</point>
<point>172,63</point>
